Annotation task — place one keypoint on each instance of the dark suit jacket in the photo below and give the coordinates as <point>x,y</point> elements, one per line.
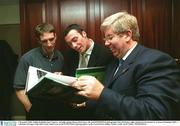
<point>100,56</point>
<point>147,86</point>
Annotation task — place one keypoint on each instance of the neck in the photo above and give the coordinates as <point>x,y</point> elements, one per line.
<point>131,44</point>
<point>89,42</point>
<point>49,55</point>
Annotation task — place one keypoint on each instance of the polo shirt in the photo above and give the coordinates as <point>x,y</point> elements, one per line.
<point>36,58</point>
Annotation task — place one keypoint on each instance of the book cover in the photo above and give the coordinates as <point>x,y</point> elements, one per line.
<point>45,85</point>
<point>97,72</point>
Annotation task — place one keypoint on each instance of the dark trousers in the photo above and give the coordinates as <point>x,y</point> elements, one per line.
<point>52,110</point>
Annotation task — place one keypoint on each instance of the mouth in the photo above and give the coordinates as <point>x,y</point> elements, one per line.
<point>114,52</point>
<point>49,49</point>
<point>78,49</point>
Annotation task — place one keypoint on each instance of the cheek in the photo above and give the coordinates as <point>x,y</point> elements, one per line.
<point>120,44</point>
<point>116,45</point>
<point>71,46</point>
<point>82,45</point>
<point>117,48</point>
<point>50,46</point>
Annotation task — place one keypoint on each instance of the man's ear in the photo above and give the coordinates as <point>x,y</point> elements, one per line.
<point>55,35</point>
<point>128,35</point>
<point>38,40</point>
<point>84,34</point>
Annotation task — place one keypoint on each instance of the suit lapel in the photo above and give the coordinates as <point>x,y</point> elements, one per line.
<point>125,66</point>
<point>110,72</point>
<point>74,61</point>
<point>123,69</point>
<point>93,57</point>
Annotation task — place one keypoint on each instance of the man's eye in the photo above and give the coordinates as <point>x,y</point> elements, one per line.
<point>75,39</point>
<point>110,38</point>
<point>51,39</point>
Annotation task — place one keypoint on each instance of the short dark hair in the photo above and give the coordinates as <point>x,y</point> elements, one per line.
<point>42,28</point>
<point>76,27</point>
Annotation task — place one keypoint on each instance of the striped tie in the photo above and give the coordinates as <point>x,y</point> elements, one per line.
<point>83,63</point>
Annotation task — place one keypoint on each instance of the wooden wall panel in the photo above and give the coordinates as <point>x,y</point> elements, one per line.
<point>52,15</point>
<point>156,24</point>
<point>72,11</point>
<point>109,7</point>
<point>175,43</point>
<point>31,14</point>
<point>158,20</point>
<point>176,27</point>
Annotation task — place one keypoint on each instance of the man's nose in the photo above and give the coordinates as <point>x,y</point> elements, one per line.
<point>107,43</point>
<point>49,43</point>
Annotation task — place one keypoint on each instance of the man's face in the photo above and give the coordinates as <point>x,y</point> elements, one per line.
<point>117,43</point>
<point>48,42</point>
<point>77,41</point>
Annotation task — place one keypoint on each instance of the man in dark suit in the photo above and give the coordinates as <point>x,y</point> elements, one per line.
<point>141,83</point>
<point>95,55</point>
<point>80,44</point>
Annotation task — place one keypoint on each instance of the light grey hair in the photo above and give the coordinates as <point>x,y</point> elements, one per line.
<point>122,22</point>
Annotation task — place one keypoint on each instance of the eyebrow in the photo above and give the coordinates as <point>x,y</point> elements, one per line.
<point>48,39</point>
<point>109,35</point>
<point>75,37</point>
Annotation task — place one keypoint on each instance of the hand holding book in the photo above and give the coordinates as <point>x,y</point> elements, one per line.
<point>42,84</point>
<point>88,87</point>
<point>46,85</point>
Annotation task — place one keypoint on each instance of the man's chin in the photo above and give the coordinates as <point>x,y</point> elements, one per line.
<point>49,51</point>
<point>116,55</point>
<point>79,51</point>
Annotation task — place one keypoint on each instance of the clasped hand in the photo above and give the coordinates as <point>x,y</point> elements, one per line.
<point>89,87</point>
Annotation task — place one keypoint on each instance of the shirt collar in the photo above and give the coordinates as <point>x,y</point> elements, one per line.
<point>89,51</point>
<point>55,56</point>
<point>129,52</point>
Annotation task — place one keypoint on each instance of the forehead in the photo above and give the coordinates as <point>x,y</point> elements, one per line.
<point>72,33</point>
<point>46,35</point>
<point>108,31</point>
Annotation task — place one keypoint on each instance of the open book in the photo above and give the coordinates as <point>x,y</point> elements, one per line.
<point>46,85</point>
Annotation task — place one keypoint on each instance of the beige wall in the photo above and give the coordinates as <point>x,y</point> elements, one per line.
<point>9,25</point>
<point>9,31</point>
<point>9,13</point>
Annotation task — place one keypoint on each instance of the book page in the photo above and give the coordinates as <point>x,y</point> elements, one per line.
<point>66,80</point>
<point>46,85</point>
<point>91,68</point>
<point>33,76</point>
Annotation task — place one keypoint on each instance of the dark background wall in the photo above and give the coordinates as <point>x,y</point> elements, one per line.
<point>158,20</point>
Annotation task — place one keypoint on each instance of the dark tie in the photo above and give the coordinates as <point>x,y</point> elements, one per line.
<point>120,63</point>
